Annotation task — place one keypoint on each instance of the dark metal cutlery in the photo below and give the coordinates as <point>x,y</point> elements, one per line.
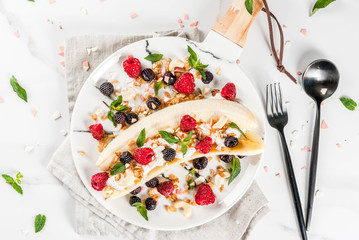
<point>278,118</point>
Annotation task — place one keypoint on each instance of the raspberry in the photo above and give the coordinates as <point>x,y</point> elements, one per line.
<point>229,91</point>
<point>98,181</point>
<point>204,146</point>
<point>185,84</point>
<point>132,67</point>
<point>188,123</point>
<point>165,188</point>
<point>204,195</point>
<point>97,131</point>
<point>143,155</point>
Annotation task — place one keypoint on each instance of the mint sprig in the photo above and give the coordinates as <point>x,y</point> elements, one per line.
<point>14,183</point>
<point>141,209</point>
<point>154,57</point>
<point>158,86</point>
<point>249,6</point>
<point>320,4</point>
<point>115,106</point>
<point>18,89</point>
<point>40,221</point>
<point>233,125</point>
<point>234,170</point>
<point>348,103</point>
<point>118,168</point>
<point>141,138</point>
<point>172,139</point>
<point>191,180</point>
<point>196,63</point>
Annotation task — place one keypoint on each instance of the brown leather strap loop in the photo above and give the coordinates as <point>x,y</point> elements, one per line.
<point>278,59</point>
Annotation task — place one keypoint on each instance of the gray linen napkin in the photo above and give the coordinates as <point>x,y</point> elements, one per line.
<point>91,217</point>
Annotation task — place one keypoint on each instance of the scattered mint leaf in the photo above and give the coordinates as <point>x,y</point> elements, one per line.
<point>40,221</point>
<point>141,209</point>
<point>188,137</point>
<point>141,138</point>
<point>154,57</point>
<point>235,170</point>
<point>192,172</point>
<point>194,63</point>
<point>348,103</point>
<point>31,0</point>
<point>14,183</point>
<point>199,90</point>
<point>168,137</point>
<point>118,168</point>
<point>320,4</point>
<point>18,89</point>
<point>184,148</point>
<point>111,117</point>
<point>249,6</point>
<point>117,102</point>
<point>158,86</point>
<point>233,125</point>
<point>190,185</point>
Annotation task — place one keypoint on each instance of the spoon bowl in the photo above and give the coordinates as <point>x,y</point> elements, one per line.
<point>320,79</point>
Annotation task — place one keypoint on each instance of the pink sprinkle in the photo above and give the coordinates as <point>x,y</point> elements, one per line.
<point>238,61</point>
<point>285,26</point>
<point>52,1</point>
<point>304,168</point>
<point>129,56</point>
<point>338,145</point>
<point>151,91</point>
<point>185,17</point>
<point>86,65</point>
<point>266,169</point>
<point>324,125</point>
<point>62,48</point>
<point>163,70</point>
<point>179,191</point>
<point>278,175</point>
<point>62,63</point>
<point>47,19</point>
<point>322,104</point>
<point>303,31</point>
<point>179,20</point>
<point>61,53</point>
<point>133,15</point>
<point>185,187</point>
<point>142,98</point>
<point>16,33</point>
<point>178,69</point>
<point>181,26</point>
<point>33,112</point>
<point>299,73</point>
<point>146,89</point>
<point>60,27</point>
<point>194,24</point>
<point>305,148</point>
<point>200,171</point>
<point>1,99</point>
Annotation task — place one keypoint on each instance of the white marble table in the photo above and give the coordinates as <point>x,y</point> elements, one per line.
<point>32,56</point>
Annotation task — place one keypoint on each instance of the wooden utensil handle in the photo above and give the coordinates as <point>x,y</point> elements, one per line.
<point>235,24</point>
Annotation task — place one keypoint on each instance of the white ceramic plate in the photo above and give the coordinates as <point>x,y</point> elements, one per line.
<point>90,99</point>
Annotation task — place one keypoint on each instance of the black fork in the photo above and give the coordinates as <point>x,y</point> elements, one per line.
<point>278,117</point>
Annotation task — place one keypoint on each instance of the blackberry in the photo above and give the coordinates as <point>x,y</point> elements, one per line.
<point>134,199</point>
<point>120,117</point>
<point>126,157</point>
<point>200,163</point>
<point>209,77</point>
<point>169,154</point>
<point>150,204</point>
<point>136,191</point>
<point>153,103</point>
<point>152,183</point>
<point>230,142</point>
<point>226,158</point>
<point>169,78</point>
<point>131,118</point>
<point>106,88</point>
<point>147,74</point>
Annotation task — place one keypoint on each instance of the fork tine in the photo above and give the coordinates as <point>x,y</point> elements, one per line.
<point>276,98</point>
<point>282,106</point>
<point>272,101</point>
<point>269,112</point>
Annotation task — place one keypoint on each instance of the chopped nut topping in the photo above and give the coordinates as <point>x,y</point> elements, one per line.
<point>94,116</point>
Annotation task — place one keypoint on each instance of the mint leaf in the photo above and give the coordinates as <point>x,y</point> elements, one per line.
<point>118,168</point>
<point>16,187</point>
<point>235,170</point>
<point>141,138</point>
<point>121,108</point>
<point>233,125</point>
<point>117,102</point>
<point>194,63</point>
<point>111,117</point>
<point>141,209</point>
<point>18,176</point>
<point>193,55</point>
<point>192,172</point>
<point>348,103</point>
<point>31,0</point>
<point>184,148</point>
<point>158,86</point>
<point>8,178</point>
<point>249,6</point>
<point>40,221</point>
<point>154,57</point>
<point>188,137</point>
<point>168,137</point>
<point>190,185</point>
<point>320,4</point>
<point>18,89</point>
